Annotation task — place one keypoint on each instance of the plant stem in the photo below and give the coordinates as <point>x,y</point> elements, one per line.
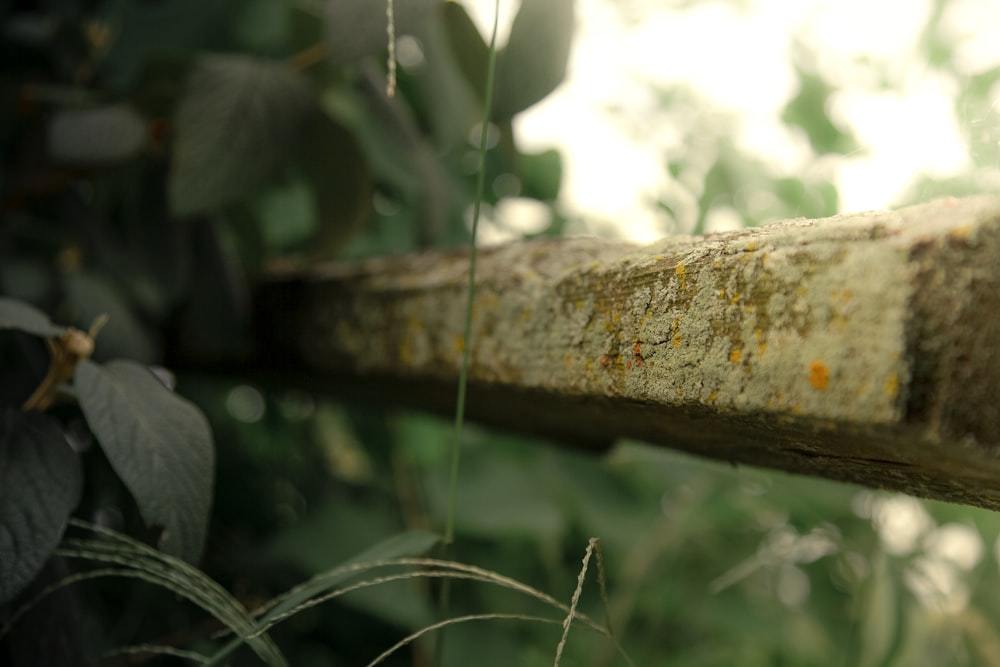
<point>463,375</point>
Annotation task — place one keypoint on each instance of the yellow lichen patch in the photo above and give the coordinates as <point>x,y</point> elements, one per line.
<point>712,397</point>
<point>758,333</point>
<point>751,246</point>
<point>414,324</point>
<point>819,375</point>
<point>735,298</point>
<point>486,300</point>
<point>675,329</point>
<point>615,318</point>
<point>414,330</point>
<point>612,320</point>
<point>776,400</point>
<point>568,361</point>
<point>844,296</point>
<point>961,232</point>
<point>406,352</point>
<point>891,386</point>
<point>681,274</point>
<point>735,355</point>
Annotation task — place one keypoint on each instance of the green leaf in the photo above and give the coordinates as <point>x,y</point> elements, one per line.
<point>881,628</point>
<point>808,110</point>
<point>159,444</point>
<point>90,295</point>
<point>238,122</point>
<point>534,60</point>
<point>807,199</point>
<point>357,28</point>
<point>145,32</point>
<point>262,24</point>
<point>441,78</point>
<point>287,215</point>
<point>541,174</point>
<point>18,315</point>
<point>215,317</point>
<point>977,102</point>
<point>40,483</point>
<point>340,179</point>
<point>471,53</point>
<point>497,497</point>
<point>100,135</point>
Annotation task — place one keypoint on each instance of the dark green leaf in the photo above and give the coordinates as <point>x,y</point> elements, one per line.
<point>96,136</point>
<point>215,317</point>
<point>40,482</point>
<point>262,24</point>
<point>26,279</point>
<point>471,53</point>
<point>534,60</point>
<point>357,28</point>
<point>341,181</point>
<point>440,78</point>
<point>18,315</point>
<point>146,31</point>
<point>89,296</point>
<point>238,122</point>
<point>399,155</point>
<point>497,498</point>
<point>287,215</point>
<point>158,443</point>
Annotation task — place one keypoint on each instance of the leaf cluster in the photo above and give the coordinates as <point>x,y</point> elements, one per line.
<point>156,158</point>
<point>159,444</point>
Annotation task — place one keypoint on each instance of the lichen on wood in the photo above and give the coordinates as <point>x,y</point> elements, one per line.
<point>861,347</point>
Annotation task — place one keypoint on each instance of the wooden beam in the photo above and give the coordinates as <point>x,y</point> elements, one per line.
<point>862,348</point>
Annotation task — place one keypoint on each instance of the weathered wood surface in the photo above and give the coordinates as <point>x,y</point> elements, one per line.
<point>863,348</point>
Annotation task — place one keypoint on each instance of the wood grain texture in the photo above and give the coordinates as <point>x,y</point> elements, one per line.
<point>862,348</point>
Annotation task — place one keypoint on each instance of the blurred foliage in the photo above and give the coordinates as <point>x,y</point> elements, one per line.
<point>157,156</point>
